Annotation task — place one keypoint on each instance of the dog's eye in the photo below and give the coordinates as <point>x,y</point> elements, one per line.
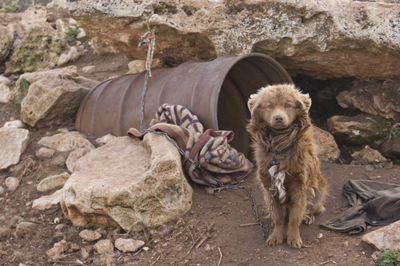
<point>270,106</point>
<point>287,106</point>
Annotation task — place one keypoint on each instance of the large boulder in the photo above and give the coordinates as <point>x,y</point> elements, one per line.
<point>359,129</point>
<point>319,38</point>
<point>51,95</point>
<point>325,145</point>
<point>376,98</point>
<point>13,142</point>
<point>128,182</point>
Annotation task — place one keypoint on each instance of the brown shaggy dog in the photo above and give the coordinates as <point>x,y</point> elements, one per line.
<point>280,125</point>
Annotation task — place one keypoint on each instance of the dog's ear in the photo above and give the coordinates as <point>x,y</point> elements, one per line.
<point>306,100</point>
<point>252,102</point>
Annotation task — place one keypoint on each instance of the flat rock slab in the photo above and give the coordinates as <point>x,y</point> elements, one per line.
<point>66,141</point>
<point>128,182</point>
<point>387,237</point>
<point>128,245</point>
<point>48,201</point>
<point>13,142</point>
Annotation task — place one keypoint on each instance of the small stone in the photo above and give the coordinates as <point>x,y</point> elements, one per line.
<point>25,228</point>
<point>5,94</point>
<point>74,247</point>
<point>57,249</point>
<point>104,246</point>
<point>4,80</point>
<point>44,152</point>
<point>13,142</point>
<point>88,69</point>
<point>84,253</point>
<point>56,220</point>
<point>346,244</point>
<point>105,139</point>
<point>58,160</point>
<point>74,156</point>
<point>368,156</point>
<point>69,56</point>
<point>369,168</point>
<point>128,245</point>
<point>58,235</point>
<point>208,247</point>
<point>52,182</point>
<point>375,256</point>
<point>320,235</point>
<point>66,141</point>
<point>62,130</point>
<point>89,235</point>
<point>59,227</point>
<point>46,202</point>
<point>137,66</point>
<point>14,124</point>
<point>5,232</point>
<point>81,34</point>
<point>146,249</point>
<point>12,183</point>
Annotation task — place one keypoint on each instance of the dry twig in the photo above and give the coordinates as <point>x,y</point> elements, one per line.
<point>326,262</point>
<point>249,224</point>
<point>220,256</point>
<point>202,240</point>
<point>154,262</point>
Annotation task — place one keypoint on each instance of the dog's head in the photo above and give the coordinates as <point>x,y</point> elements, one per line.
<point>278,106</point>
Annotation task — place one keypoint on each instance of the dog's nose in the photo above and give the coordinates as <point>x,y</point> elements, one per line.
<point>278,118</point>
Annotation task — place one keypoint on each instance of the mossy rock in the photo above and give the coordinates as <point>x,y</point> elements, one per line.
<point>40,49</point>
<point>359,130</point>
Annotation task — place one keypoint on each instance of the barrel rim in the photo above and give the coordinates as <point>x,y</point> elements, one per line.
<point>236,60</point>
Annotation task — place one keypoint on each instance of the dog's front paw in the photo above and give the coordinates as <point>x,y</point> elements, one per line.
<point>274,239</point>
<point>295,242</point>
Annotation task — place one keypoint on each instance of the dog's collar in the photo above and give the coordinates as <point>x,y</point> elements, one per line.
<point>275,153</point>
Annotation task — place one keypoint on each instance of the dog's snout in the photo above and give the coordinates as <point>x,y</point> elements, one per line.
<point>278,118</point>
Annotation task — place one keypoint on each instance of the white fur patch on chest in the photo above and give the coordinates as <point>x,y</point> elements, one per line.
<point>277,182</point>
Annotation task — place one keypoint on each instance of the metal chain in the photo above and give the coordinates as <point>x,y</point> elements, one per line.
<point>220,186</point>
<point>264,230</point>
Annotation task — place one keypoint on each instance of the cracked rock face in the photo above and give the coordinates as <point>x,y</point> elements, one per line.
<point>319,38</point>
<point>359,129</point>
<point>52,95</point>
<point>380,98</point>
<point>325,145</point>
<point>129,182</point>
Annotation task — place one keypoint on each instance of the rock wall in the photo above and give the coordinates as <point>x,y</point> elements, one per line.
<point>319,38</point>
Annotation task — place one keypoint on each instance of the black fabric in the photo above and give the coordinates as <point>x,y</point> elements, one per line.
<point>373,203</point>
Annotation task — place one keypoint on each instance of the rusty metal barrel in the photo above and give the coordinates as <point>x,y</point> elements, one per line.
<point>215,91</point>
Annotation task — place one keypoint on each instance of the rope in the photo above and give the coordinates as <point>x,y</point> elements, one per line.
<point>150,41</point>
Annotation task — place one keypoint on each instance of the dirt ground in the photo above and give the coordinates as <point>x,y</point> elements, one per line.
<point>209,234</point>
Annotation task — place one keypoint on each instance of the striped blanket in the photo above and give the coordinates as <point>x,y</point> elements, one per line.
<point>219,162</point>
